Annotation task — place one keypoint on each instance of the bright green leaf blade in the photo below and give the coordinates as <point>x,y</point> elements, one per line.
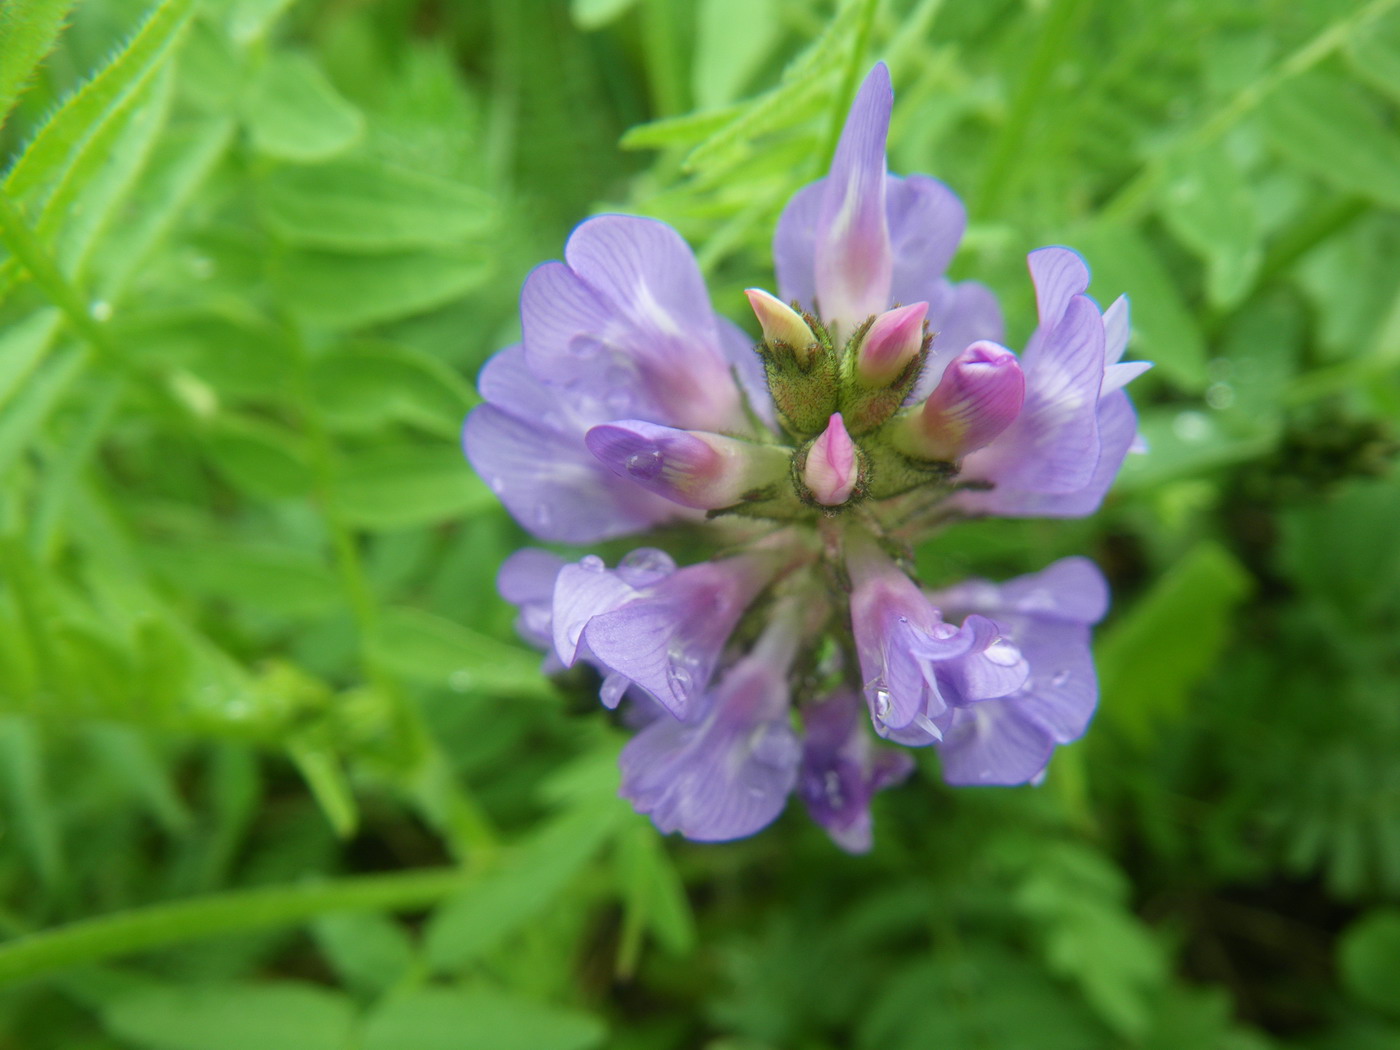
<point>594,14</point>
<point>725,61</point>
<point>437,652</point>
<point>477,1018</point>
<point>370,951</point>
<point>1150,660</point>
<point>349,291</point>
<point>532,877</point>
<point>233,1016</point>
<point>49,154</point>
<point>365,385</point>
<point>1209,206</point>
<point>1375,54</point>
<point>22,348</point>
<point>294,113</point>
<point>1163,329</point>
<point>1327,127</point>
<point>263,460</point>
<point>403,486</point>
<point>360,206</point>
<point>28,31</point>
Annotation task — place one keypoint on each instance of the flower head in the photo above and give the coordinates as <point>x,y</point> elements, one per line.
<point>874,402</point>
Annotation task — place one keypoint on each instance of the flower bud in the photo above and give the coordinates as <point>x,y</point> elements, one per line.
<point>782,324</point>
<point>979,396</point>
<point>892,341</point>
<point>692,468</point>
<point>831,470</point>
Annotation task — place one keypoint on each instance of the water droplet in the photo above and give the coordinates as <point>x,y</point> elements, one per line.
<point>1220,395</point>
<point>498,484</point>
<point>101,310</point>
<point>1191,427</point>
<point>1061,677</point>
<point>460,681</point>
<point>585,346</point>
<point>680,681</point>
<point>831,787</point>
<point>645,565</point>
<point>644,465</point>
<point>1003,653</point>
<point>882,703</point>
<point>614,685</point>
<point>591,563</point>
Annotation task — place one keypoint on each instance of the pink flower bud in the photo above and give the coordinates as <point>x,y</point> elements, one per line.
<point>692,468</point>
<point>782,324</point>
<point>980,394</point>
<point>831,470</point>
<point>892,341</point>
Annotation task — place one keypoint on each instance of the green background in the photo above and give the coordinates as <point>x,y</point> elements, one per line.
<point>274,770</point>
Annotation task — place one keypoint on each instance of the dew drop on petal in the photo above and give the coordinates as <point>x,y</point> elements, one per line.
<point>644,465</point>
<point>680,674</point>
<point>1003,653</point>
<point>882,703</point>
<point>591,563</point>
<point>1061,677</point>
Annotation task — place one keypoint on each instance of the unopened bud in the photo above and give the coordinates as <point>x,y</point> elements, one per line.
<point>692,468</point>
<point>832,469</point>
<point>979,396</point>
<point>782,324</point>
<point>892,341</point>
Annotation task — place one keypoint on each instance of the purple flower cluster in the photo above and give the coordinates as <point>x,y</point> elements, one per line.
<point>878,404</point>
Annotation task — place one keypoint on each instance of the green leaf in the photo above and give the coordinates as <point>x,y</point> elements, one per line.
<point>534,874</point>
<point>477,1018</point>
<point>262,460</point>
<point>22,419</point>
<point>653,897</point>
<point>365,385</point>
<point>594,14</point>
<point>28,31</point>
<point>256,576</point>
<point>725,61</point>
<point>348,291</point>
<point>1151,659</point>
<point>369,950</point>
<point>233,1016</point>
<point>1327,127</point>
<point>294,113</point>
<point>326,778</point>
<point>30,802</point>
<point>1076,898</point>
<point>401,486</point>
<point>22,348</point>
<point>1163,329</point>
<point>363,206</point>
<point>437,652</point>
<point>1209,206</point>
<point>1368,957</point>
<point>685,130</point>
<point>85,111</point>
<point>1375,53</point>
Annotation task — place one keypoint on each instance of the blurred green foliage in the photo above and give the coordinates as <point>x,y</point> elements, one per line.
<point>274,771</point>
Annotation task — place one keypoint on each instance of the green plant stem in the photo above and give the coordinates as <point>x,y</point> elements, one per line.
<point>1049,49</point>
<point>19,238</point>
<point>142,929</point>
<point>1139,195</point>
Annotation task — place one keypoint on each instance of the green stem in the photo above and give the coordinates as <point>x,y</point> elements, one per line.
<point>17,236</point>
<point>1049,49</point>
<point>1138,196</point>
<point>143,929</point>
